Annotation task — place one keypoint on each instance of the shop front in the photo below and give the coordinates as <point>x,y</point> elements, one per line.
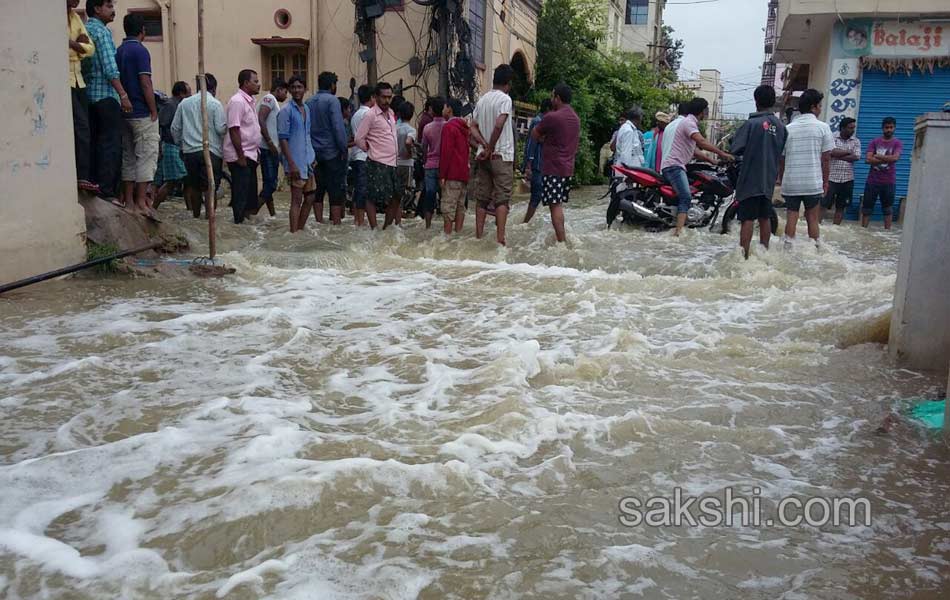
<point>879,69</point>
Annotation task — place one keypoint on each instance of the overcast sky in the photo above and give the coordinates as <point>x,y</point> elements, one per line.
<point>725,35</point>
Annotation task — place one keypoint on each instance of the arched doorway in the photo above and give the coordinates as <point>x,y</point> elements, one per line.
<point>521,85</point>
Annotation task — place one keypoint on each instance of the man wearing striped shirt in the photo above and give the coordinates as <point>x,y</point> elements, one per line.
<point>805,167</point>
<point>841,177</point>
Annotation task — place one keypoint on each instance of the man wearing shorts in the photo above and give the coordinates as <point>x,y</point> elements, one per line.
<point>376,136</point>
<point>140,135</point>
<point>560,132</point>
<point>841,176</point>
<point>806,165</point>
<point>760,142</point>
<point>453,166</point>
<point>495,160</point>
<point>329,140</point>
<point>186,130</point>
<point>293,130</point>
<point>883,154</point>
<point>357,156</point>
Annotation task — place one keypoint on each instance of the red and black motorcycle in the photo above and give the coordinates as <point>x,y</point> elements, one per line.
<point>643,196</point>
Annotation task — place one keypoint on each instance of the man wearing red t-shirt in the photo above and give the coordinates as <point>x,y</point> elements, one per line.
<point>453,165</point>
<point>560,132</point>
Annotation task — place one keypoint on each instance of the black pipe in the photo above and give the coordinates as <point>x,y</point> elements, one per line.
<point>72,269</point>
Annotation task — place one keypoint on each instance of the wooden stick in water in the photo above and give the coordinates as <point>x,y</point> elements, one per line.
<point>205,140</point>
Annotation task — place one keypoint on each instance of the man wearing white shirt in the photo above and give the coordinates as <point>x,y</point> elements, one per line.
<point>358,157</point>
<point>495,176</point>
<point>805,166</point>
<point>629,146</point>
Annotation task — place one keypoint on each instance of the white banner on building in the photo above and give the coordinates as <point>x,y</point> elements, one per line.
<point>844,90</point>
<point>906,39</point>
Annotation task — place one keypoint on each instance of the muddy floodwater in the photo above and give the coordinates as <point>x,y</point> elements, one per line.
<point>395,415</point>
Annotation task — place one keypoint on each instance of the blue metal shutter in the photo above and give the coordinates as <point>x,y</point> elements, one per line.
<point>901,97</point>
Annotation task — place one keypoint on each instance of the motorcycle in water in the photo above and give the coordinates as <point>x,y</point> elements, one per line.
<point>641,195</point>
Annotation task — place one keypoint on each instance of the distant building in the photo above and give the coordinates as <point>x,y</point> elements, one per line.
<point>768,64</point>
<point>304,37</point>
<point>709,86</point>
<point>635,26</point>
<point>871,60</point>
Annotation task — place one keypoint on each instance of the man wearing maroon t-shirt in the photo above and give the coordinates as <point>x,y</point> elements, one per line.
<point>453,165</point>
<point>559,131</point>
<point>882,155</point>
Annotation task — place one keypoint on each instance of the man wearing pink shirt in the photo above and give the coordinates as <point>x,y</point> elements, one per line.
<point>240,150</point>
<point>376,136</point>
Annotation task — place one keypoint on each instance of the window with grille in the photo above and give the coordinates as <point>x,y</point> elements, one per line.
<point>476,22</point>
<point>299,65</point>
<point>638,12</point>
<point>153,24</point>
<point>278,67</point>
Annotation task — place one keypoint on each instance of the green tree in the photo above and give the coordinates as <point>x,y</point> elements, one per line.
<point>604,83</point>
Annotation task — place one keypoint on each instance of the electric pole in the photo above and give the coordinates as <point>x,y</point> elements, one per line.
<point>372,73</point>
<point>444,23</point>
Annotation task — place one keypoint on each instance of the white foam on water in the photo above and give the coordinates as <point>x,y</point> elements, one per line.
<point>252,576</point>
<point>383,414</point>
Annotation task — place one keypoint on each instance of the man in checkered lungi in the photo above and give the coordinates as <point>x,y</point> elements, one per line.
<point>171,167</point>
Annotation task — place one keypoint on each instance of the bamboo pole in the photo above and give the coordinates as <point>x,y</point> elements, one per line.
<point>205,140</point>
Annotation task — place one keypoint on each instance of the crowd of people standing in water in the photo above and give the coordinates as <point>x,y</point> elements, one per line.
<point>133,149</point>
<point>813,166</point>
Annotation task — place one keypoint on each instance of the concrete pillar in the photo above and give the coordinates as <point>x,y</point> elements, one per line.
<point>920,325</point>
<point>946,410</point>
<point>42,226</point>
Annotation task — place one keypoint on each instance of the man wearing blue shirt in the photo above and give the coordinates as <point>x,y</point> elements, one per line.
<point>188,131</point>
<point>294,128</point>
<point>140,135</point>
<point>329,140</point>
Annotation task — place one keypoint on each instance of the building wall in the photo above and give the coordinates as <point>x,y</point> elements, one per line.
<point>328,25</point>
<point>42,225</point>
<point>640,39</point>
<point>709,86</point>
<point>517,33</point>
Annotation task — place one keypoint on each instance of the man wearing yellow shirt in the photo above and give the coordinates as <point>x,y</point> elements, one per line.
<point>80,47</point>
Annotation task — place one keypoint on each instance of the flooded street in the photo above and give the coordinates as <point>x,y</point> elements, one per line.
<point>396,415</point>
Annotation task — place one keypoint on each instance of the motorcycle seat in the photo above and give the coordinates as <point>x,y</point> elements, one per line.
<point>641,175</point>
<point>648,171</point>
